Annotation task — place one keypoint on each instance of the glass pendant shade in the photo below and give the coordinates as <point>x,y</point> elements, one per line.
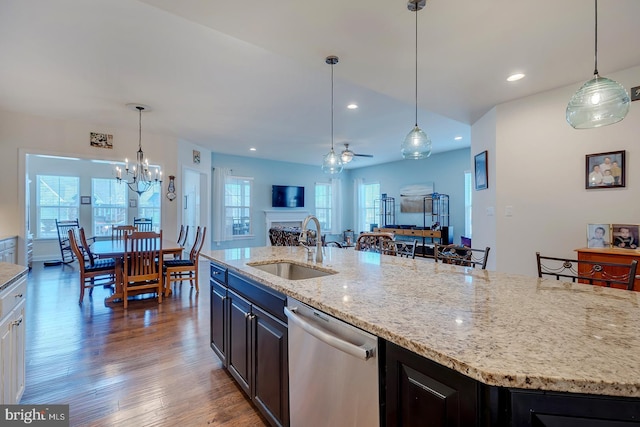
<point>331,163</point>
<point>599,102</point>
<point>417,145</point>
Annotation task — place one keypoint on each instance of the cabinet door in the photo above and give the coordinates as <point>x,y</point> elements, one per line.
<point>17,352</point>
<point>239,350</point>
<point>6,328</point>
<point>551,409</point>
<point>421,392</point>
<point>219,324</point>
<point>270,361</point>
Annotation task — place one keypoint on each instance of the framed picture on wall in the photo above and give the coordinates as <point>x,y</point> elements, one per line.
<point>481,171</point>
<point>85,200</point>
<point>605,170</point>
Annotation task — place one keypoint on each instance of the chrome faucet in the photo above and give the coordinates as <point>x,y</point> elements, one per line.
<point>303,236</point>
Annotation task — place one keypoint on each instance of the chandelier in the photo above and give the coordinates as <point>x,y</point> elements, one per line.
<point>139,177</point>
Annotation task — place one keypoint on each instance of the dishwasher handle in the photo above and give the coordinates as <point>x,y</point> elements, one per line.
<point>361,352</point>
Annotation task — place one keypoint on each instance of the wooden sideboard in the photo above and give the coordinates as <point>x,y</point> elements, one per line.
<point>621,256</point>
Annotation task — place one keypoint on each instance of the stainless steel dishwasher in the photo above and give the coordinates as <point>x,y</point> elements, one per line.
<point>333,370</point>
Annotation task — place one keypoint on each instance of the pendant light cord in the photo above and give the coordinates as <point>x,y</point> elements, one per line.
<point>595,71</point>
<point>140,128</point>
<point>332,106</point>
<point>416,12</point>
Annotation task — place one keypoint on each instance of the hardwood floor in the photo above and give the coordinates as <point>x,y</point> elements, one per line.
<point>149,366</point>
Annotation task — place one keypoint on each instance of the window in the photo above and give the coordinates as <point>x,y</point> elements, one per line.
<point>237,202</point>
<point>149,204</point>
<point>367,194</point>
<point>467,203</point>
<point>323,205</point>
<point>57,198</point>
<point>109,205</point>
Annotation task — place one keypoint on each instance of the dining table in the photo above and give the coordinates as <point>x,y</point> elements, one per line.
<point>114,248</point>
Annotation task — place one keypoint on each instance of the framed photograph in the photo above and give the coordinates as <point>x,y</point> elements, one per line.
<point>481,171</point>
<point>625,236</point>
<point>598,236</point>
<point>85,200</point>
<point>133,203</point>
<point>101,140</point>
<point>605,170</point>
<point>196,156</point>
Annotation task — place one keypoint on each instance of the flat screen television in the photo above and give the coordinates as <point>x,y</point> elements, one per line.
<point>287,196</point>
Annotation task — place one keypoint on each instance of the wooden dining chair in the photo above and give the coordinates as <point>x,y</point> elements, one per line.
<point>609,274</point>
<point>119,231</point>
<point>461,255</point>
<point>143,224</point>
<point>142,269</point>
<point>184,235</point>
<point>98,272</point>
<point>185,269</point>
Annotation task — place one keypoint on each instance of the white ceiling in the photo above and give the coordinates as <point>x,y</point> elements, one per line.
<point>231,75</point>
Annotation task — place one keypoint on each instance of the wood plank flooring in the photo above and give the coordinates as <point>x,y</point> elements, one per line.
<point>149,366</point>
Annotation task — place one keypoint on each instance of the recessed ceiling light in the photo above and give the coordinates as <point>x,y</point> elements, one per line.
<point>515,77</point>
<point>352,106</point>
<point>252,149</point>
<point>458,138</point>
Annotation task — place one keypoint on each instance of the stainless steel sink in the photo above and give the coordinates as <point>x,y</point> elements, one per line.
<point>290,270</point>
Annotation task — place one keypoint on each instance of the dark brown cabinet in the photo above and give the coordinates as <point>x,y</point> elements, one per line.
<point>219,312</point>
<point>249,333</point>
<point>420,392</point>
<point>549,409</point>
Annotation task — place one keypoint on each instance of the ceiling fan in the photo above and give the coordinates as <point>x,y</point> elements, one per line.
<point>348,155</point>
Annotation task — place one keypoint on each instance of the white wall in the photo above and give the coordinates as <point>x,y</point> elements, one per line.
<point>539,168</point>
<point>22,134</point>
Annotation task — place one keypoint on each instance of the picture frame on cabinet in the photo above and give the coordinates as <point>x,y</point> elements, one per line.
<point>481,171</point>
<point>599,235</point>
<point>625,236</point>
<point>605,170</point>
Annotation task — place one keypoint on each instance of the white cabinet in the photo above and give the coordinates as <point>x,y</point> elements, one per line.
<point>8,250</point>
<point>12,339</point>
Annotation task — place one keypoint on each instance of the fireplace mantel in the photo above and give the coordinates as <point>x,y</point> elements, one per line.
<point>283,218</point>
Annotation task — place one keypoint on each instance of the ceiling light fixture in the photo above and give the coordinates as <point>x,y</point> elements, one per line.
<point>458,138</point>
<point>515,77</point>
<point>600,101</point>
<point>417,145</point>
<point>140,174</point>
<point>332,164</point>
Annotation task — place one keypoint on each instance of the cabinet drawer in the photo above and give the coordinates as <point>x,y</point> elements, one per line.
<point>12,296</point>
<point>218,273</point>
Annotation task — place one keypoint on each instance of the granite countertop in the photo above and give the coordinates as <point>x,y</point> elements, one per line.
<point>501,329</point>
<point>9,273</point>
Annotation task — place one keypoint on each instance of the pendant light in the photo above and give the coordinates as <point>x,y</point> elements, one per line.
<point>331,163</point>
<point>417,145</point>
<point>139,176</point>
<point>600,101</point>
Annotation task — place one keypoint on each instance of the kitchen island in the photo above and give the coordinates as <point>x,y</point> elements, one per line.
<point>502,330</point>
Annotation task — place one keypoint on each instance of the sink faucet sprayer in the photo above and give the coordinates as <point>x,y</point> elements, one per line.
<point>303,236</point>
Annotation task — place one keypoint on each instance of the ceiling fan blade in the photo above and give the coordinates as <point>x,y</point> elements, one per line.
<point>363,155</point>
